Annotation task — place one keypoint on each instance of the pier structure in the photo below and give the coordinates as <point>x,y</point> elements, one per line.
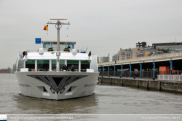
<point>143,66</point>
<point>145,83</point>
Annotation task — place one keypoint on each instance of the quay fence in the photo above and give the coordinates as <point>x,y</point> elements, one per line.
<point>170,77</point>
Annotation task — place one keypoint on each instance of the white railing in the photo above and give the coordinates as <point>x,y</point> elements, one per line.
<point>45,50</point>
<point>170,77</point>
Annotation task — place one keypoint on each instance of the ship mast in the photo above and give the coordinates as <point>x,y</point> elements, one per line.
<point>58,25</point>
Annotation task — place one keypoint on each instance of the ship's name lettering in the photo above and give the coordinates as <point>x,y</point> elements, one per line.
<point>24,85</point>
<point>89,85</point>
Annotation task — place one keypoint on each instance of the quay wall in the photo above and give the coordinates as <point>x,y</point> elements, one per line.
<point>160,85</point>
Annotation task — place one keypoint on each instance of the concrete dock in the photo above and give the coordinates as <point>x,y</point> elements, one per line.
<point>147,83</point>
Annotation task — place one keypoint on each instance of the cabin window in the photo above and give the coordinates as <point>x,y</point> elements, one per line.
<point>72,62</point>
<point>85,65</point>
<point>42,65</point>
<point>30,64</point>
<point>70,45</point>
<point>61,63</point>
<point>47,45</point>
<point>62,45</point>
<point>54,45</point>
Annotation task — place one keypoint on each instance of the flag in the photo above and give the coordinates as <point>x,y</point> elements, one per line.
<point>46,28</point>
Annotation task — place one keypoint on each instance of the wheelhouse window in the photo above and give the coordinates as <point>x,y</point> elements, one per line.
<point>85,65</point>
<point>70,45</point>
<point>42,65</point>
<point>61,64</point>
<point>30,64</point>
<point>47,45</point>
<point>54,45</point>
<point>62,45</point>
<point>72,62</point>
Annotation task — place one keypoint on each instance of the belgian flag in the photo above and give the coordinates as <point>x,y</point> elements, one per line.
<point>46,28</point>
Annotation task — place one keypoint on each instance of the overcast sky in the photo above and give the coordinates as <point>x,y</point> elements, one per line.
<point>104,26</point>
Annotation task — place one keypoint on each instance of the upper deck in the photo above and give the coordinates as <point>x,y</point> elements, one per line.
<point>52,55</point>
<point>43,59</point>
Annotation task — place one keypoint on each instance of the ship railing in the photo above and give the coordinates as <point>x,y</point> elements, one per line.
<point>53,70</point>
<point>45,50</point>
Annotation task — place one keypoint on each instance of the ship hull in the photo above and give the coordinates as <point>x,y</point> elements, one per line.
<point>56,85</point>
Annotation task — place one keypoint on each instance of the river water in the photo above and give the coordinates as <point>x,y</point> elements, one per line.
<point>107,100</point>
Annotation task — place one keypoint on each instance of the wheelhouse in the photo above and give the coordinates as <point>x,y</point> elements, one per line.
<point>63,45</point>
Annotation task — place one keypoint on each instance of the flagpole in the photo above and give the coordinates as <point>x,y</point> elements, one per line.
<point>58,25</point>
<point>58,45</point>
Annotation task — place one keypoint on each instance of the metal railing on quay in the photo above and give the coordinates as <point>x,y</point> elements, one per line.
<point>111,73</point>
<point>146,74</point>
<point>170,77</point>
<point>117,73</point>
<point>135,74</point>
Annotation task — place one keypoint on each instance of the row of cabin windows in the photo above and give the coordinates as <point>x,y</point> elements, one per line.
<point>43,65</point>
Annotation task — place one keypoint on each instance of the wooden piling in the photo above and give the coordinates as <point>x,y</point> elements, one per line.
<point>148,85</point>
<point>121,82</point>
<point>110,80</point>
<point>159,85</point>
<point>176,87</point>
<point>137,85</point>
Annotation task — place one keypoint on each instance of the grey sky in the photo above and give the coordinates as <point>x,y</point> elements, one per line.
<point>103,26</point>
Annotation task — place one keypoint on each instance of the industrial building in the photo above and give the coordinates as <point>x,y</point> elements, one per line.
<point>5,70</point>
<point>167,47</point>
<point>103,59</point>
<point>124,54</point>
<point>115,57</point>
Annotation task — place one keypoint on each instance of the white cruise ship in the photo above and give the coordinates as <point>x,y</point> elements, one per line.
<point>42,74</point>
